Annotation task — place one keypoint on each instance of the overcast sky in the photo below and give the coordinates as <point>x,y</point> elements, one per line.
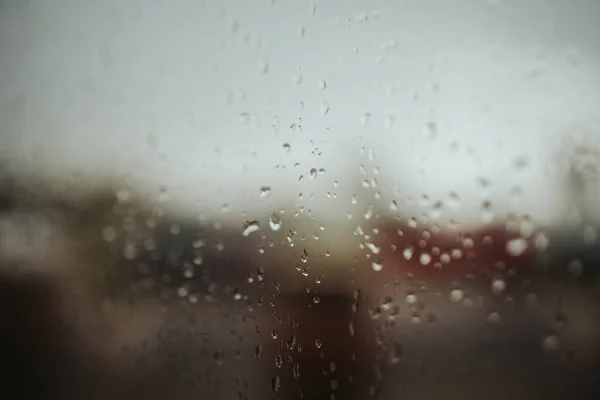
<point>215,99</point>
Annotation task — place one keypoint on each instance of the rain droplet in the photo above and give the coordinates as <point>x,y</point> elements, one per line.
<point>386,303</point>
<point>301,31</point>
<point>590,235</point>
<point>250,227</point>
<point>411,298</point>
<point>365,118</point>
<point>516,247</point>
<point>425,258</point>
<point>275,222</point>
<point>408,253</point>
<point>287,147</point>
<point>313,173</point>
<point>498,286</point>
<point>325,108</point>
<point>278,361</point>
<point>550,343</point>
<point>297,79</point>
<point>396,352</point>
<point>377,265</point>
<point>456,295</point>
<point>265,191</point>
<point>575,268</point>
<point>494,317</point>
<point>263,67</point>
<point>109,234</point>
<point>275,383</point>
<point>373,248</point>
<point>393,205</point>
<point>541,241</point>
<point>322,85</point>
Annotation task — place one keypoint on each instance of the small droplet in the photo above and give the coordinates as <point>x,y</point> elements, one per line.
<point>494,317</point>
<point>456,295</point>
<point>286,147</point>
<point>109,234</point>
<point>250,227</point>
<point>550,343</point>
<point>322,85</point>
<point>278,361</point>
<point>274,222</point>
<point>365,118</point>
<point>275,383</point>
<point>590,235</point>
<point>516,247</point>
<point>263,67</point>
<point>431,129</point>
<point>265,191</point>
<point>425,258</point>
<point>411,298</point>
<point>386,303</point>
<point>408,253</point>
<point>575,268</point>
<point>301,31</point>
<point>377,265</point>
<point>541,241</point>
<point>297,79</point>
<point>313,173</point>
<point>498,286</point>
<point>318,343</point>
<point>396,352</point>
<point>393,205</point>
<point>325,108</point>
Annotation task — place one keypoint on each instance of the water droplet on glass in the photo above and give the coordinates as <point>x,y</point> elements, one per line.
<point>250,227</point>
<point>274,222</point>
<point>373,248</point>
<point>396,352</point>
<point>550,343</point>
<point>456,295</point>
<point>590,235</point>
<point>109,234</point>
<point>411,298</point>
<point>322,85</point>
<point>278,361</point>
<point>393,205</point>
<point>498,286</point>
<point>265,191</point>
<point>494,317</point>
<point>408,253</point>
<point>301,31</point>
<point>386,303</point>
<point>287,147</point>
<point>275,383</point>
<point>575,268</point>
<point>365,118</point>
<point>313,173</point>
<point>425,258</point>
<point>377,265</point>
<point>318,343</point>
<point>541,241</point>
<point>263,67</point>
<point>297,79</point>
<point>325,108</point>
<point>516,247</point>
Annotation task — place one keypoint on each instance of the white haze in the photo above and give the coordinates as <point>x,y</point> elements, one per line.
<point>199,97</point>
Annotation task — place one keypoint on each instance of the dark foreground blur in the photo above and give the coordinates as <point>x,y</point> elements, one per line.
<point>116,302</point>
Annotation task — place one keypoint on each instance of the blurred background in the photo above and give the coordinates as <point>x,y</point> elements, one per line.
<point>335,146</point>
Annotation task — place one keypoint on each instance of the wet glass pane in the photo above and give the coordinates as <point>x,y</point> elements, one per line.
<point>223,199</point>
